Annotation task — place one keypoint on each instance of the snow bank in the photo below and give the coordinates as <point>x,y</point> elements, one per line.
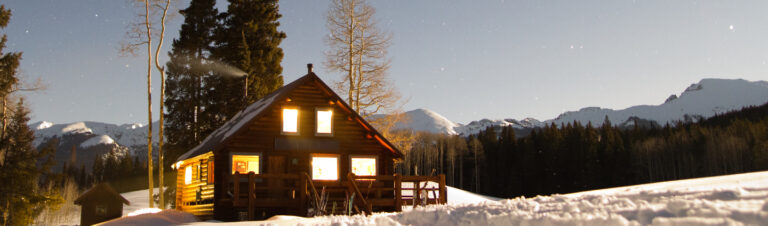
<point>165,217</point>
<point>740,199</point>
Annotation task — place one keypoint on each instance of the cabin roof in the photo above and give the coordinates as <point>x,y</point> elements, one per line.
<point>100,189</point>
<point>217,138</point>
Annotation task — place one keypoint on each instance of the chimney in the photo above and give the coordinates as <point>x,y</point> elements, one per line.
<point>309,68</point>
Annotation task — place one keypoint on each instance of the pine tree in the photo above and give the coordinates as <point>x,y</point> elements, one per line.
<point>9,64</point>
<point>249,40</point>
<point>21,196</point>
<point>185,92</point>
<point>98,169</point>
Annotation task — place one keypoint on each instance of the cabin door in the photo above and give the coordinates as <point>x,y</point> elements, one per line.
<point>276,165</point>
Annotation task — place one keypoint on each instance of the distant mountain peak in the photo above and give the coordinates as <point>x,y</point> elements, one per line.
<point>428,121</point>
<point>700,100</point>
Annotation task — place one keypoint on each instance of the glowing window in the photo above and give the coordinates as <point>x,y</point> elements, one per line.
<point>324,121</point>
<point>364,166</point>
<point>210,171</point>
<point>290,120</point>
<point>245,164</point>
<point>325,168</point>
<point>188,174</point>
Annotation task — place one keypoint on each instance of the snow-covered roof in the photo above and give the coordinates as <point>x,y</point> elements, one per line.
<point>242,119</point>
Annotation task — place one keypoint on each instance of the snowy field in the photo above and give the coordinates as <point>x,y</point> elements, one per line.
<point>740,199</point>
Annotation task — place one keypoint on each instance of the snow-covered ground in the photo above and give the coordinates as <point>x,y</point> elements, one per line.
<point>740,199</point>
<point>139,200</point>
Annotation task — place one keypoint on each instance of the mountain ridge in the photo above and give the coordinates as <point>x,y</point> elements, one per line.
<point>708,97</point>
<point>699,100</point>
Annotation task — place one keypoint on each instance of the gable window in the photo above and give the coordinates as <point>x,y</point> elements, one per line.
<point>290,120</point>
<point>245,164</point>
<point>325,167</point>
<point>324,123</point>
<point>363,165</point>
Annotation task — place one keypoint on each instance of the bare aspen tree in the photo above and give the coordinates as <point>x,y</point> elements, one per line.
<point>358,49</point>
<point>141,34</point>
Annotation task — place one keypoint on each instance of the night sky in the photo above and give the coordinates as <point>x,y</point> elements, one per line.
<point>466,60</point>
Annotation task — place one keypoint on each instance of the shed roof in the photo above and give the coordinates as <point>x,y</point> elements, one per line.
<point>102,188</point>
<point>218,137</point>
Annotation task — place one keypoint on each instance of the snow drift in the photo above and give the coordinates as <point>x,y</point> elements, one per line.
<point>740,199</point>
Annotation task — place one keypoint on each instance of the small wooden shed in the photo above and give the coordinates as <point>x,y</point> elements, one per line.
<point>100,203</point>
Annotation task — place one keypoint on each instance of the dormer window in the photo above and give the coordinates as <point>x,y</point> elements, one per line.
<point>324,121</point>
<point>290,120</point>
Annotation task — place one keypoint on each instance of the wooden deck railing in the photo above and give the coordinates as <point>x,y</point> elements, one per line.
<point>365,193</point>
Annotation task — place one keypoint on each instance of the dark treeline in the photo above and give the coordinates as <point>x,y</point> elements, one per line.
<point>124,172</point>
<point>576,157</point>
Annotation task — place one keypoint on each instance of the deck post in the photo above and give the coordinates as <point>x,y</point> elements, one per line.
<point>236,186</point>
<point>251,188</point>
<point>416,193</point>
<point>302,190</point>
<point>443,191</point>
<point>362,203</point>
<point>398,193</point>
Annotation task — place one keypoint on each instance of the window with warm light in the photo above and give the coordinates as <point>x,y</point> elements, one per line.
<point>290,120</point>
<point>210,171</point>
<point>363,166</point>
<point>245,164</point>
<point>325,168</point>
<point>188,174</point>
<point>324,124</point>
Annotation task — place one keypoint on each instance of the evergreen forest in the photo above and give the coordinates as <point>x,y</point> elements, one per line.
<point>575,157</point>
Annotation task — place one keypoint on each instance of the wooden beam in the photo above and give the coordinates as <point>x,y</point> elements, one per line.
<point>443,192</point>
<point>251,196</point>
<point>353,187</point>
<point>378,138</point>
<point>398,193</point>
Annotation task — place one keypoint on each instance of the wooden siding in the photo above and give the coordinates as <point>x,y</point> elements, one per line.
<point>353,138</point>
<point>187,199</point>
<point>259,137</point>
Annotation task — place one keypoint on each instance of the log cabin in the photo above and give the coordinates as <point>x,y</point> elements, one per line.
<point>300,150</point>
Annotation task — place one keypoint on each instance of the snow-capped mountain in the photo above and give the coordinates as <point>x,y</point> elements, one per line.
<point>82,142</point>
<point>697,101</point>
<point>129,135</point>
<point>700,100</point>
<point>427,121</point>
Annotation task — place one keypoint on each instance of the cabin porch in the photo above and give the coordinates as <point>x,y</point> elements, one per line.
<point>257,196</point>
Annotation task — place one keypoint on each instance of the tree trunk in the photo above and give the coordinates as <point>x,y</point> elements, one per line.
<point>350,76</point>
<point>5,121</point>
<point>149,104</point>
<point>160,155</point>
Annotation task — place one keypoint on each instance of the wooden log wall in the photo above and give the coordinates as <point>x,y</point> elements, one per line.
<point>196,197</point>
